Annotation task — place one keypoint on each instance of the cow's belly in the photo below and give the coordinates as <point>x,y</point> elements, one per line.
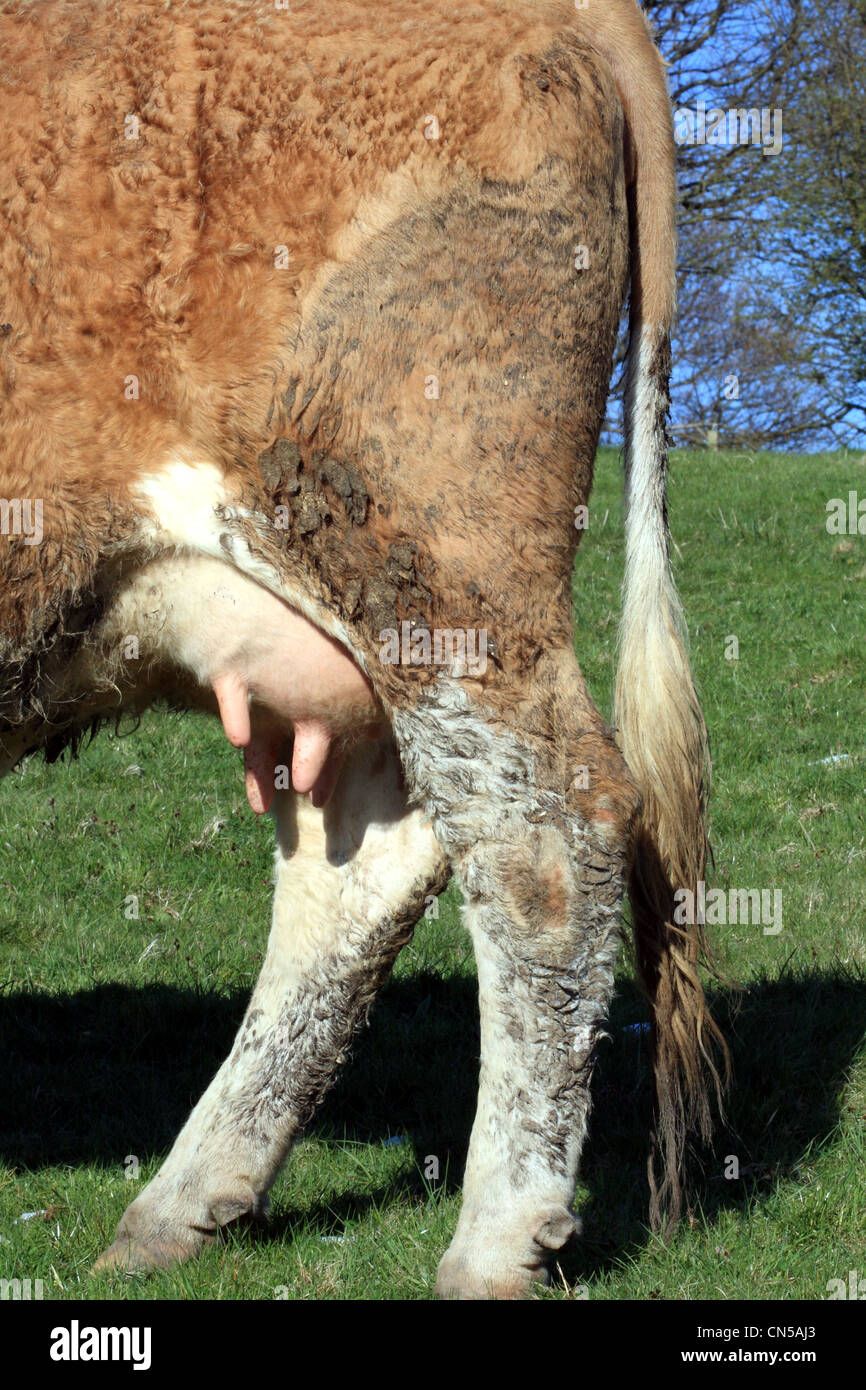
<point>197,631</point>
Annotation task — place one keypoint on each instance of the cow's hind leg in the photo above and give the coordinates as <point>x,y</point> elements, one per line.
<point>536,809</point>
<point>351,884</point>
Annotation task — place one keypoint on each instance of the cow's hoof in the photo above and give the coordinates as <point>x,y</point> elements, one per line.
<point>145,1242</point>
<point>480,1271</point>
<point>131,1256</point>
<point>458,1280</point>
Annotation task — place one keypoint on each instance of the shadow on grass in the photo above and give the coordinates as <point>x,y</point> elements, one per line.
<point>793,1041</point>
<point>94,1076</point>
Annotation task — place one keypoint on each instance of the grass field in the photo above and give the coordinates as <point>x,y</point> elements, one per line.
<point>111,1024</point>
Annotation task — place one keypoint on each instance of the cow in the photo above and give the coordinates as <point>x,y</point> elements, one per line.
<point>308,322</point>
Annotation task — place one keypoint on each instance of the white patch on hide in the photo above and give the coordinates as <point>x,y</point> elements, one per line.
<point>184,499</point>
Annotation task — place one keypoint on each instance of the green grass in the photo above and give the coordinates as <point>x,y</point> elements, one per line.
<point>112,1024</point>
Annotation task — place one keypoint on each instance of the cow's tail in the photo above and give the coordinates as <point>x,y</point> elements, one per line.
<point>660,725</point>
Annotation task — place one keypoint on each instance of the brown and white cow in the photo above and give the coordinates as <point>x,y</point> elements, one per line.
<point>306,327</point>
